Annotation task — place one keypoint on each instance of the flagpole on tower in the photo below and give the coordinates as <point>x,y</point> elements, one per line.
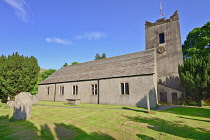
<point>161,10</point>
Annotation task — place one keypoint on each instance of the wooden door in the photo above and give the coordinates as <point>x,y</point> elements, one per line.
<point>163,97</point>
<point>174,98</point>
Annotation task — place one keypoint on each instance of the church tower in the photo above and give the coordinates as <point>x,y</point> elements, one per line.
<point>164,36</point>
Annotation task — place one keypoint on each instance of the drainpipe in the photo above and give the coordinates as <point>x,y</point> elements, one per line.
<point>55,93</point>
<point>98,91</point>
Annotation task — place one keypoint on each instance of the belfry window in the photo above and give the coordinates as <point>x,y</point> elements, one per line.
<point>161,38</point>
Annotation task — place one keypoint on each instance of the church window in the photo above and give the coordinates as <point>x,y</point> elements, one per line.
<point>125,88</point>
<point>75,90</point>
<point>47,90</point>
<point>61,90</point>
<point>161,38</point>
<point>94,89</point>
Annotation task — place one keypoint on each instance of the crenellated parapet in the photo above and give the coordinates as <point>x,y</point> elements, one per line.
<point>174,17</point>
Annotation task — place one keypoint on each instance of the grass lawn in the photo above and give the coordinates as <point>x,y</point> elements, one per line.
<point>50,122</point>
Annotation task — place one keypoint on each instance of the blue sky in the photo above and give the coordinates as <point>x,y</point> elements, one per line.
<point>60,31</point>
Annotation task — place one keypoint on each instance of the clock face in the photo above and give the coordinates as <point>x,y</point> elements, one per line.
<point>161,49</point>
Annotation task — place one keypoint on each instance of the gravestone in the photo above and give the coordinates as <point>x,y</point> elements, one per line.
<point>23,106</point>
<point>35,99</point>
<point>10,104</point>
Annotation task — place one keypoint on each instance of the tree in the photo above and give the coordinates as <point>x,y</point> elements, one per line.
<point>47,73</point>
<point>74,63</point>
<point>18,74</point>
<point>42,76</point>
<point>97,56</point>
<point>103,56</point>
<point>195,77</point>
<point>34,91</point>
<point>197,43</point>
<point>100,57</point>
<point>66,64</point>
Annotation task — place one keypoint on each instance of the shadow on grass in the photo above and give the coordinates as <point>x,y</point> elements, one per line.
<point>172,128</point>
<point>194,119</point>
<point>22,129</point>
<point>46,134</point>
<point>145,137</point>
<point>15,130</point>
<point>63,130</point>
<point>196,112</point>
<point>137,110</point>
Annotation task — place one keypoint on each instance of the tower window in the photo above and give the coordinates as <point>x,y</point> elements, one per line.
<point>161,38</point>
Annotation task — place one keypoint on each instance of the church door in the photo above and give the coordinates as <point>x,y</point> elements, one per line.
<point>174,98</point>
<point>163,97</point>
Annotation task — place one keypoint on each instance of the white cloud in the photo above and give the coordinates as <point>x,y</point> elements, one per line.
<point>58,40</point>
<point>21,8</point>
<point>91,36</point>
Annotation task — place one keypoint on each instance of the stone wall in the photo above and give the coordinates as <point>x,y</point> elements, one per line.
<point>109,91</point>
<point>169,91</point>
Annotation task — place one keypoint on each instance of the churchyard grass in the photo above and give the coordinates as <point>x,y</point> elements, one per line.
<point>97,122</point>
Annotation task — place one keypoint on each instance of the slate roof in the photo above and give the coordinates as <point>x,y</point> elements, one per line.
<point>139,63</point>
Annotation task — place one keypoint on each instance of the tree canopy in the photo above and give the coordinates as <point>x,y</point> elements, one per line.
<point>197,43</point>
<point>18,74</point>
<point>74,63</point>
<point>97,57</point>
<point>47,73</point>
<point>195,77</point>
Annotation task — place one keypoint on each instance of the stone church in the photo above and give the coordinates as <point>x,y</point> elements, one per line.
<point>127,79</point>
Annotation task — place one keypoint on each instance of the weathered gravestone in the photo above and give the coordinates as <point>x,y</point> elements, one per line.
<point>10,104</point>
<point>35,99</point>
<point>23,106</point>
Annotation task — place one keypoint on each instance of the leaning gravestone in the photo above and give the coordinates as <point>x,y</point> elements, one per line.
<point>23,106</point>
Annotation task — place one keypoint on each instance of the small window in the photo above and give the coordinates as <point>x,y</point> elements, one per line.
<point>75,90</point>
<point>94,89</point>
<point>47,90</point>
<point>61,90</point>
<point>161,38</point>
<point>124,88</point>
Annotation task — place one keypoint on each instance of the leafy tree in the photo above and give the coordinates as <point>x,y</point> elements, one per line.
<point>103,56</point>
<point>195,77</point>
<point>100,57</point>
<point>34,91</point>
<point>197,43</point>
<point>47,73</point>
<point>66,64</point>
<point>18,74</point>
<point>74,63</point>
<point>97,56</point>
<point>42,76</point>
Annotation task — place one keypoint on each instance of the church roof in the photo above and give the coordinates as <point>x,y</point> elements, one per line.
<point>139,63</point>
